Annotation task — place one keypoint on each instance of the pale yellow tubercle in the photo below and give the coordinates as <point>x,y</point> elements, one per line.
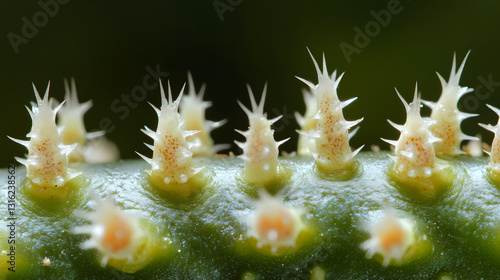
<point>494,164</point>
<point>192,110</point>
<point>47,162</point>
<point>447,116</point>
<point>415,156</point>
<point>306,145</point>
<point>172,161</point>
<point>99,150</point>
<point>70,121</point>
<point>260,151</point>
<point>331,134</point>
<point>415,163</point>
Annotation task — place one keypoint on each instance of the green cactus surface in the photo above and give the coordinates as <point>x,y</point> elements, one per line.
<point>205,236</point>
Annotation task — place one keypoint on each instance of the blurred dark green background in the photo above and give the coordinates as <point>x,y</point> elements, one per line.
<point>106,46</point>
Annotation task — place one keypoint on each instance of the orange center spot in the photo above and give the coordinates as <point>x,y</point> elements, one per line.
<point>117,235</point>
<point>279,225</point>
<point>392,236</point>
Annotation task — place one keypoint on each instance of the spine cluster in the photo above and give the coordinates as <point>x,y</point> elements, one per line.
<point>494,164</point>
<point>115,234</point>
<point>260,151</point>
<point>446,114</point>
<point>307,145</point>
<point>192,110</point>
<point>331,134</point>
<point>273,225</point>
<point>415,156</point>
<point>391,238</point>
<point>70,121</point>
<point>172,161</point>
<point>47,161</point>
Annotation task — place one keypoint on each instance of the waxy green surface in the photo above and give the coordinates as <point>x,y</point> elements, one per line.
<point>204,236</point>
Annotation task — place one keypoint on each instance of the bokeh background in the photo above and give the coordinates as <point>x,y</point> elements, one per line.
<point>107,45</point>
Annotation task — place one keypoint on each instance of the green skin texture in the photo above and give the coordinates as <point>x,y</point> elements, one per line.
<point>462,223</point>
